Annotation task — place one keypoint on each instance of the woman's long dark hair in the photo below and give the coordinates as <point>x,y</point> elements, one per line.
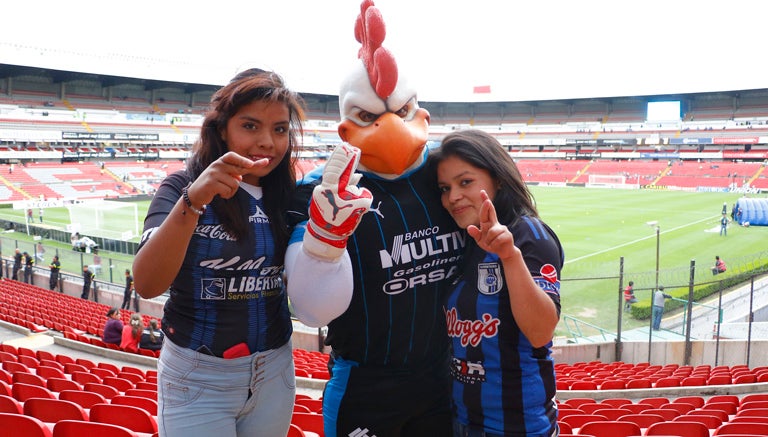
<point>249,86</point>
<point>513,198</point>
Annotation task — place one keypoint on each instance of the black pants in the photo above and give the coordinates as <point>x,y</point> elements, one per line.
<point>418,401</point>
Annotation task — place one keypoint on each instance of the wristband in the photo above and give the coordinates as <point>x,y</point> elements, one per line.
<point>185,196</point>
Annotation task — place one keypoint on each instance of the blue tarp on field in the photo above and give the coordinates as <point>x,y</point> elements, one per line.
<point>754,211</point>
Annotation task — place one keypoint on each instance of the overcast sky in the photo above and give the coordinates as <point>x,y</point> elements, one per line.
<point>525,50</point>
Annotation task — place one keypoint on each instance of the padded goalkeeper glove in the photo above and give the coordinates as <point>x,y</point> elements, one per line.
<point>337,205</point>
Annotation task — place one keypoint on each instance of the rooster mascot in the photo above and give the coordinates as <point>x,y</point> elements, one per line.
<point>376,255</point>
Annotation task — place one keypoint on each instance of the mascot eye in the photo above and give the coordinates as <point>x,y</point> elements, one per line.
<point>367,117</point>
<point>407,111</point>
<point>404,111</point>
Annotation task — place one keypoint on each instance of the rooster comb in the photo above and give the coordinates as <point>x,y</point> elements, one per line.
<point>379,62</point>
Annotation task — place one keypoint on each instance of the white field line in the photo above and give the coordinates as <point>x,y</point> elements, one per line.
<point>628,243</point>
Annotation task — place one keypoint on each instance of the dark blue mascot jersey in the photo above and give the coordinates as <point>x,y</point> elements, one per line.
<point>500,382</point>
<point>227,292</point>
<point>404,255</point>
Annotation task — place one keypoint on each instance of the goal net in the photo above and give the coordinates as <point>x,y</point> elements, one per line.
<point>105,218</point>
<point>610,181</point>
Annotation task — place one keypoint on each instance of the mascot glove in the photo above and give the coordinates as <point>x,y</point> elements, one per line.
<point>337,205</point>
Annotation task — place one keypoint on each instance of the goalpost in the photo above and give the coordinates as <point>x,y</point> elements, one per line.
<point>610,181</point>
<point>105,218</point>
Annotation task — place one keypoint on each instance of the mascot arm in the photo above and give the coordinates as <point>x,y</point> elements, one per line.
<point>337,206</point>
<point>319,291</point>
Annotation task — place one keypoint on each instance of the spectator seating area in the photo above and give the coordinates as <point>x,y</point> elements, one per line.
<point>59,394</point>
<point>685,416</point>
<point>50,180</point>
<point>41,310</point>
<point>68,396</point>
<point>121,179</point>
<point>659,173</point>
<point>620,376</point>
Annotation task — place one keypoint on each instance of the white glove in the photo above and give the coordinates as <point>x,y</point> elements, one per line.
<point>337,205</point>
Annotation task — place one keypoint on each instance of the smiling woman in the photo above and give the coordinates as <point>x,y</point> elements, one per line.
<point>216,234</point>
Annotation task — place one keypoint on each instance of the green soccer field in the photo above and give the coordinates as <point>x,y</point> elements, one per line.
<point>599,226</point>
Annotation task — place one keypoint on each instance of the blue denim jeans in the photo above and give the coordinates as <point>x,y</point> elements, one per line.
<point>657,312</point>
<point>202,395</point>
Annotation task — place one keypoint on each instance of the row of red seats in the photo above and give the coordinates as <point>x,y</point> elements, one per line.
<point>25,304</point>
<point>687,416</point>
<point>49,391</point>
<point>619,375</point>
<point>311,364</point>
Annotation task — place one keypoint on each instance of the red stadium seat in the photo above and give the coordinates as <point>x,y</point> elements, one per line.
<point>728,407</point>
<point>637,408</point>
<point>667,414</point>
<point>10,405</point>
<point>78,428</point>
<point>28,378</point>
<point>54,410</point>
<point>85,399</point>
<point>22,392</point>
<point>47,372</point>
<point>121,384</point>
<point>681,429</point>
<point>136,401</point>
<point>23,426</point>
<point>578,402</point>
<point>105,390</point>
<point>642,420</point>
<point>711,422</point>
<point>312,422</point>
<point>754,429</point>
<point>59,384</point>
<point>578,420</point>
<point>616,402</point>
<point>680,407</point>
<point>151,394</point>
<point>128,416</point>
<point>656,402</point>
<point>610,428</point>
<point>295,431</point>
<point>696,401</point>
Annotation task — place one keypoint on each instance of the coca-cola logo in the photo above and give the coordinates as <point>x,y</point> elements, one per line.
<point>471,332</point>
<point>215,232</point>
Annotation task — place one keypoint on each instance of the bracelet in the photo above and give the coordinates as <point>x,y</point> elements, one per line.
<point>185,196</point>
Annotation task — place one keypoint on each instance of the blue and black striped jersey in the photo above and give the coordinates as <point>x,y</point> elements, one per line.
<point>227,292</point>
<point>404,254</point>
<point>501,383</point>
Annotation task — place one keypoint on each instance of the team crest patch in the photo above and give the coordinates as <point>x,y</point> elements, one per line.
<point>489,280</point>
<point>213,289</point>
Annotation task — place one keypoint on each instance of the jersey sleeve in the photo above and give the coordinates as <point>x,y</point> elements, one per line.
<point>165,198</point>
<point>543,254</point>
<point>319,291</point>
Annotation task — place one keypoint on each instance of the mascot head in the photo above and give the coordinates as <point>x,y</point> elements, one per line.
<point>379,111</point>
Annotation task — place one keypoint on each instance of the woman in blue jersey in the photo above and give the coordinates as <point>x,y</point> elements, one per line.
<point>215,236</point>
<point>502,311</point>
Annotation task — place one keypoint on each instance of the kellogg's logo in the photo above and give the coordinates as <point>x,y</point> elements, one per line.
<point>471,332</point>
